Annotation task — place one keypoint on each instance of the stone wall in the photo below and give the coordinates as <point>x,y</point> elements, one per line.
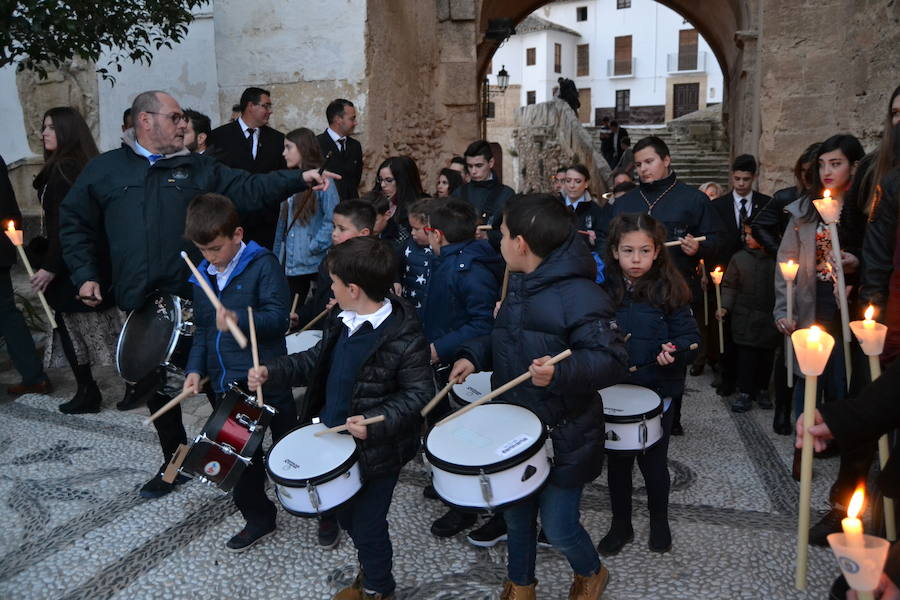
<point>549,136</point>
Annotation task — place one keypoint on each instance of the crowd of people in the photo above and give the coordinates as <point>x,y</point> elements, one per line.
<point>432,287</point>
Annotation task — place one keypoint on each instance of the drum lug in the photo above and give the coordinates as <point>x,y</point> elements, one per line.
<point>246,422</point>
<point>642,435</point>
<point>227,449</point>
<point>313,497</point>
<point>612,436</point>
<point>486,492</point>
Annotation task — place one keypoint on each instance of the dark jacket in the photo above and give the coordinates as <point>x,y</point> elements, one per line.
<point>748,293</point>
<point>555,307</point>
<point>9,211</point>
<point>415,271</point>
<point>732,239</point>
<point>880,242</point>
<point>395,381</point>
<point>683,210</point>
<point>349,164</point>
<point>142,209</point>
<point>257,281</point>
<point>769,223</point>
<point>463,289</point>
<point>489,198</point>
<point>319,300</point>
<point>233,149</point>
<point>61,294</point>
<point>650,327</point>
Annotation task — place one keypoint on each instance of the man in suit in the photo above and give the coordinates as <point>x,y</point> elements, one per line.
<point>741,204</point>
<point>346,158</point>
<point>248,143</point>
<point>611,145</point>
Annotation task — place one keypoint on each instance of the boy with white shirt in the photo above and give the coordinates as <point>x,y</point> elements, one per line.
<point>373,360</point>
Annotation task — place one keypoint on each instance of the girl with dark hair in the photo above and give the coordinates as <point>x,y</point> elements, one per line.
<point>86,335</point>
<point>653,311</point>
<point>448,181</point>
<point>398,179</point>
<point>303,232</point>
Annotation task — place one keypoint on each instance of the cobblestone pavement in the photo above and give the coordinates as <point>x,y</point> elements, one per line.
<point>74,526</point>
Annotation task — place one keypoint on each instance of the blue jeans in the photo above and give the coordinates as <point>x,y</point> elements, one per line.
<point>560,518</point>
<point>366,522</point>
<point>19,342</point>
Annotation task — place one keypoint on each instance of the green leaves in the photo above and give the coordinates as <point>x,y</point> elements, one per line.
<point>43,34</point>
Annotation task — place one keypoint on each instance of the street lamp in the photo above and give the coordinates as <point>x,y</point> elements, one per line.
<point>487,92</point>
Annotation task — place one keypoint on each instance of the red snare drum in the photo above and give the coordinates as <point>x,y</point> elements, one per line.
<point>228,440</point>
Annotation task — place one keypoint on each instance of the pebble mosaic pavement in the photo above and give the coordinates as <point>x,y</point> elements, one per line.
<point>75,528</point>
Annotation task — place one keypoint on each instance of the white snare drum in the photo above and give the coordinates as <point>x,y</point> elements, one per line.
<point>314,475</point>
<point>489,458</point>
<point>475,386</point>
<point>302,340</point>
<point>633,417</point>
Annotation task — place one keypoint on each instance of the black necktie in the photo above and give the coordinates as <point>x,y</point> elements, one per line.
<point>250,132</point>
<point>743,212</point>
<point>342,144</point>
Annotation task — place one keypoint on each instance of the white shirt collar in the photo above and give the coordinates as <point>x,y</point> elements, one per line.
<point>334,135</point>
<point>354,321</point>
<point>223,276</point>
<point>245,127</point>
<point>143,151</point>
<point>737,198</point>
<point>573,203</point>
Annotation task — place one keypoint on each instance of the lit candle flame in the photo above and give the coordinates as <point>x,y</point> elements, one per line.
<point>815,334</point>
<point>717,270</point>
<point>791,262</point>
<point>826,194</point>
<point>870,312</point>
<point>11,226</point>
<point>856,504</point>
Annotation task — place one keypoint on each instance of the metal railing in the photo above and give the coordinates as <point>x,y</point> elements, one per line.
<point>621,68</point>
<point>686,62</point>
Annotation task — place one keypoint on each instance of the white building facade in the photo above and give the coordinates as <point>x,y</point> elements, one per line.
<point>634,61</point>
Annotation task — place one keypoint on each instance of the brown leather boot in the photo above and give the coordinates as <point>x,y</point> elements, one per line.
<point>354,591</point>
<point>589,588</point>
<point>512,591</point>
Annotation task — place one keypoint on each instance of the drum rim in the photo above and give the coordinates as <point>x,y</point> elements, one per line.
<point>496,467</point>
<point>173,338</point>
<point>318,479</point>
<point>632,451</point>
<point>312,515</point>
<point>498,507</point>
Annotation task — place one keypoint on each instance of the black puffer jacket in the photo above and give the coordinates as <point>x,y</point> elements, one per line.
<point>880,243</point>
<point>395,381</point>
<point>558,306</point>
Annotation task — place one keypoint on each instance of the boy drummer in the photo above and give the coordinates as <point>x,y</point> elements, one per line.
<point>552,304</point>
<point>372,360</point>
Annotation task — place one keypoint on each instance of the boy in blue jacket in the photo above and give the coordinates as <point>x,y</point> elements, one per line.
<point>242,275</point>
<point>552,304</point>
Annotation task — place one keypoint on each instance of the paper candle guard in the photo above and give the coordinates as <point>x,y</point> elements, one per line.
<point>861,567</point>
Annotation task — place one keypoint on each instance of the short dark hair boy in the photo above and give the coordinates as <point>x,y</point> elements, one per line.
<point>651,141</point>
<point>454,219</point>
<point>744,162</point>
<point>209,216</point>
<point>366,262</point>
<point>480,148</point>
<point>361,213</point>
<point>542,220</point>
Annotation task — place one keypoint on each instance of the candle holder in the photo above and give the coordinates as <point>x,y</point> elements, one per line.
<point>789,273</point>
<point>861,566</point>
<point>871,335</point>
<point>716,276</point>
<point>830,211</point>
<point>812,347</point>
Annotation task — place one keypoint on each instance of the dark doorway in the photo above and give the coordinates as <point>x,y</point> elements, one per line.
<point>623,106</point>
<point>686,99</point>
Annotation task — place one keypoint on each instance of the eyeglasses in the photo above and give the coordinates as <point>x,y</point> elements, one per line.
<point>176,117</point>
<point>267,105</point>
<point>380,179</point>
<point>432,229</point>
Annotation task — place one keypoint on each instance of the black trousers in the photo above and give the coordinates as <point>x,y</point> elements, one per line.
<point>754,367</point>
<point>299,286</point>
<point>654,466</point>
<point>250,491</point>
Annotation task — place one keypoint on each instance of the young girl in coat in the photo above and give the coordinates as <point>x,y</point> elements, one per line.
<point>653,313</point>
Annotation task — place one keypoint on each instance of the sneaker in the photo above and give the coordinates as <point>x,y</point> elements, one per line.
<point>329,532</point>
<point>489,534</point>
<point>619,535</point>
<point>156,487</point>
<point>543,542</point>
<point>660,535</point>
<point>829,523</point>
<point>246,538</point>
<point>430,493</point>
<point>451,523</point>
<point>742,403</point>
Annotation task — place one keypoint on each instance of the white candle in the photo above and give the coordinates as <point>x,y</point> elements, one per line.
<point>852,525</point>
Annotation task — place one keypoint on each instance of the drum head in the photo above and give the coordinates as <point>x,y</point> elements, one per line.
<point>624,403</point>
<point>475,386</point>
<point>147,336</point>
<point>302,341</point>
<point>300,455</point>
<point>487,434</point>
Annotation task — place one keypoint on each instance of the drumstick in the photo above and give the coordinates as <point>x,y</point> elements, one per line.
<point>503,388</point>
<point>294,304</point>
<point>344,427</point>
<point>634,368</point>
<point>437,398</point>
<point>315,320</point>
<point>702,238</point>
<point>505,284</point>
<point>176,400</point>
<point>255,352</point>
<point>239,336</point>
<point>484,228</point>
